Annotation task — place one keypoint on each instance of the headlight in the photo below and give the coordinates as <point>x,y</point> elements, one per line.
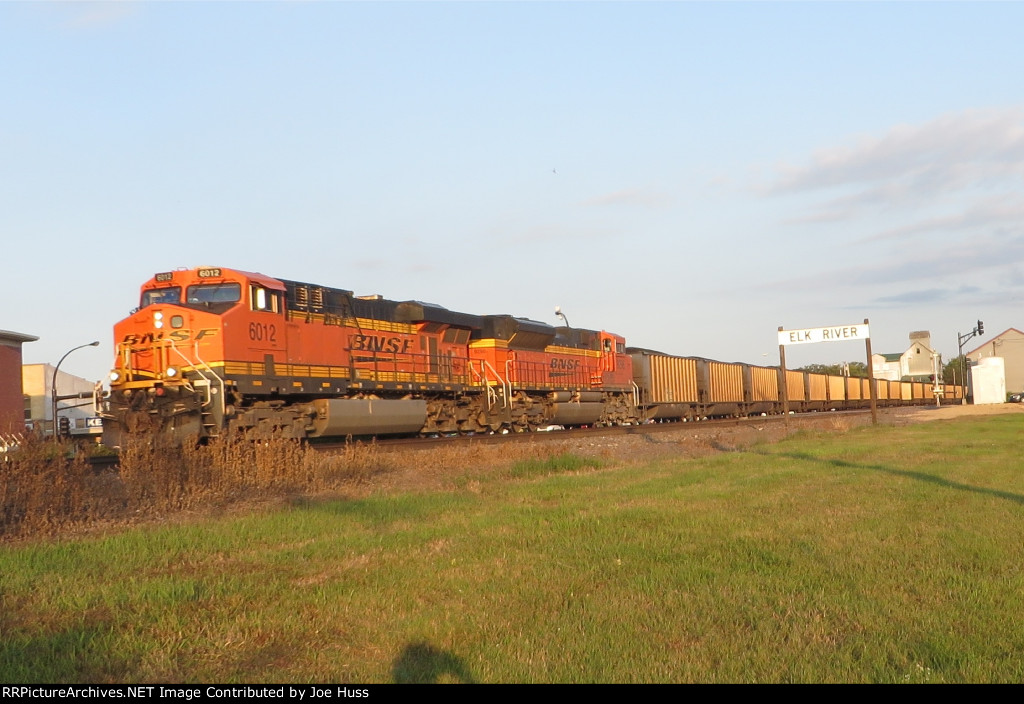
<point>172,372</point>
<point>115,376</point>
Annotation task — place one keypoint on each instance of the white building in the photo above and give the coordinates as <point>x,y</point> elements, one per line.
<point>37,384</point>
<point>918,362</point>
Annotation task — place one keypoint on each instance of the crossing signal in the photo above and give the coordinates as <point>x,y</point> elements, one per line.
<point>981,328</point>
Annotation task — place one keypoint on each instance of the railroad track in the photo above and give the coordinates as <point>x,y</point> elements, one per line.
<point>397,444</point>
<point>420,443</point>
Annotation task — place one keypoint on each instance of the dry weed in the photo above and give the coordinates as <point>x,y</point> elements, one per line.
<point>47,487</point>
<point>42,483</point>
<point>840,424</point>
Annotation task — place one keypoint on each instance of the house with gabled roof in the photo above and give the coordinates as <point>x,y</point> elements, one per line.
<point>918,362</point>
<point>886,366</point>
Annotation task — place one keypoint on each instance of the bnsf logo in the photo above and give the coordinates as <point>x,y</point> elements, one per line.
<point>175,335</point>
<point>380,343</point>
<point>565,365</point>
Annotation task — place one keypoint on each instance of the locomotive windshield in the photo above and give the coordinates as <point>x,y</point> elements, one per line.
<point>167,296</point>
<point>215,297</point>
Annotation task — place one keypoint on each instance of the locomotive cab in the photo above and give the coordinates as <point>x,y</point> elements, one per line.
<point>168,373</point>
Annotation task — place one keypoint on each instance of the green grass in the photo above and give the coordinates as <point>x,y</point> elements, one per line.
<point>553,465</point>
<point>878,555</point>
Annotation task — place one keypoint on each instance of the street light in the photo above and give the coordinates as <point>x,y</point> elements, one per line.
<point>560,314</point>
<point>53,382</point>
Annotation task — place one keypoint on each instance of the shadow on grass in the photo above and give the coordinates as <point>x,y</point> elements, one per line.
<point>80,653</point>
<point>422,663</point>
<point>920,476</point>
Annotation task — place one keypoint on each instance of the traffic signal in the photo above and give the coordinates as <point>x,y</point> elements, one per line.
<point>64,426</point>
<point>981,328</point>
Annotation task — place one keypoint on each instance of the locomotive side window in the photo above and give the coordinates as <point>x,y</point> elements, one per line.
<point>263,299</point>
<point>167,296</point>
<point>214,297</point>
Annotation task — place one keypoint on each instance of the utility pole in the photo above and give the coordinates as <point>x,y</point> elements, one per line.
<point>960,340</point>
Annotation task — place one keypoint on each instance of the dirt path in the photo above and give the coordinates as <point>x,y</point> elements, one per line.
<point>925,413</point>
<point>435,468</point>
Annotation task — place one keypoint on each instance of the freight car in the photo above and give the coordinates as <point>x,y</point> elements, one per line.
<point>214,351</point>
<point>691,388</point>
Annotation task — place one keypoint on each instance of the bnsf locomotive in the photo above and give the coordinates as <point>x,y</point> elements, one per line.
<point>211,351</point>
<point>214,351</point>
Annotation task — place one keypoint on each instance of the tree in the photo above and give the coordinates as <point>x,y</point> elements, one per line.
<point>858,369</point>
<point>830,369</point>
<point>855,369</point>
<point>953,370</point>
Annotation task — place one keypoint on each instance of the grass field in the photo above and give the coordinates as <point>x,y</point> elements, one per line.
<point>889,554</point>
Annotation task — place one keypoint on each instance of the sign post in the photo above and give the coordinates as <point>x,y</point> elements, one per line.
<point>783,385</point>
<point>839,333</point>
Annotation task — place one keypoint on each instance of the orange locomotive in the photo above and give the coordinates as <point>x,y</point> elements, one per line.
<point>211,351</point>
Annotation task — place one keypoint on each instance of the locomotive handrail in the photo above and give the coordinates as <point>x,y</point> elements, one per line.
<point>506,388</point>
<point>223,390</point>
<point>492,396</point>
<point>192,364</point>
<point>97,398</point>
<point>412,367</point>
<point>126,353</point>
<point>482,377</point>
<point>196,368</point>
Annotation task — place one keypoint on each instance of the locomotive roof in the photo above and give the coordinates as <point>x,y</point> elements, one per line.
<point>217,272</point>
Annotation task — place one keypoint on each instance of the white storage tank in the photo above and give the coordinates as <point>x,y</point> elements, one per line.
<point>988,378</point>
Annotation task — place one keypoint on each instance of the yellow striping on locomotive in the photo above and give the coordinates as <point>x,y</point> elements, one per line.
<point>573,351</point>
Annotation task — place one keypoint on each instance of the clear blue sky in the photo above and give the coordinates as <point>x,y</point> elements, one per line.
<point>690,175</point>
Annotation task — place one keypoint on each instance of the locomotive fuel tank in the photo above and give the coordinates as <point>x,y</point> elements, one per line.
<point>341,417</point>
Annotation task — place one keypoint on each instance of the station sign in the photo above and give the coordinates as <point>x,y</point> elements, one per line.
<point>837,333</point>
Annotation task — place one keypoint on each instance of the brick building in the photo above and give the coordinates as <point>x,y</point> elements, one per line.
<point>12,398</point>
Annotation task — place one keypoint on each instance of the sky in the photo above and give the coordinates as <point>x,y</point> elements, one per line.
<point>689,175</point>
